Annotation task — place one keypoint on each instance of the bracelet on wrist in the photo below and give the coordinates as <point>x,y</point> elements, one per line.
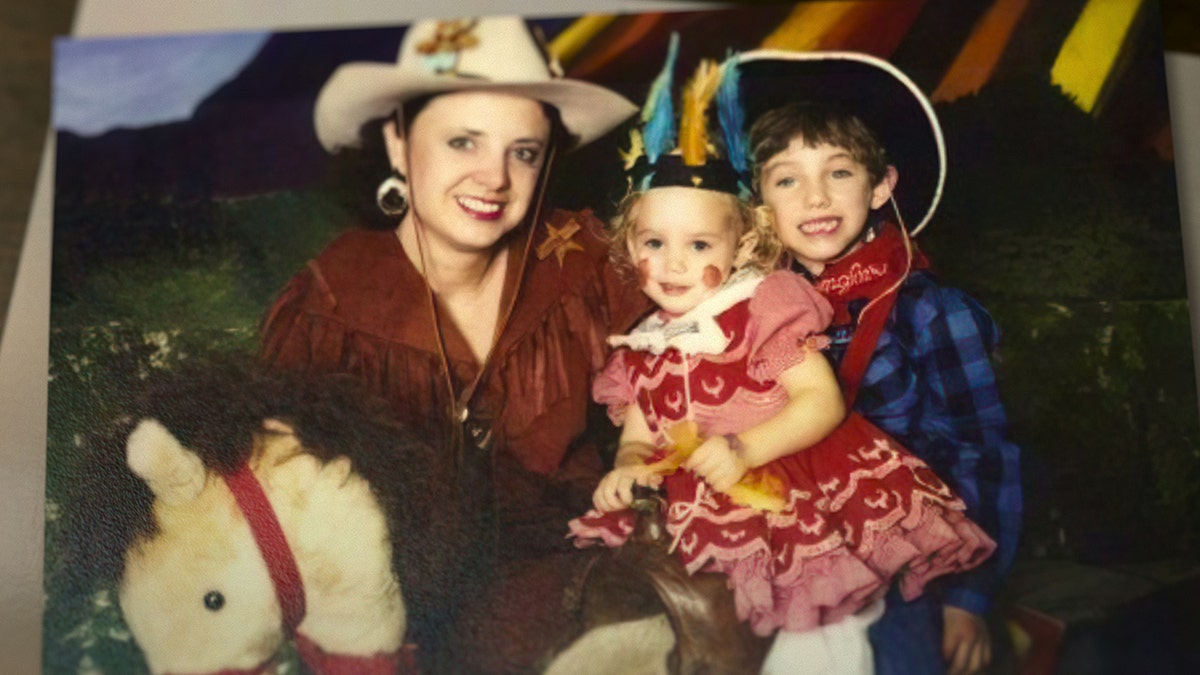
<point>736,445</point>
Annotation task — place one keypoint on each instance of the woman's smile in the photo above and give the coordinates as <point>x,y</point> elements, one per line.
<point>481,209</point>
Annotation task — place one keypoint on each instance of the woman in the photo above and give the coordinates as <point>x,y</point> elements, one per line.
<point>482,316</point>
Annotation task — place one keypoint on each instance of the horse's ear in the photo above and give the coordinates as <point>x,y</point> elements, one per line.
<point>277,426</point>
<point>173,473</point>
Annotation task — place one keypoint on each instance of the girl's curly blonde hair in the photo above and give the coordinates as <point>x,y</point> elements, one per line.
<point>748,220</point>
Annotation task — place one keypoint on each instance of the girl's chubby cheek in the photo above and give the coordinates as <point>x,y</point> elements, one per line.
<point>712,276</point>
<point>643,272</point>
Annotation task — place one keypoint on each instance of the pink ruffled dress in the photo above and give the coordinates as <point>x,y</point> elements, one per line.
<point>860,510</point>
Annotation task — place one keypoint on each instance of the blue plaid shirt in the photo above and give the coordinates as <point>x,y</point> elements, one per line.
<point>930,385</point>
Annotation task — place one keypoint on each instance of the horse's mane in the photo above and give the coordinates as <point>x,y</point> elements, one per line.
<point>213,409</point>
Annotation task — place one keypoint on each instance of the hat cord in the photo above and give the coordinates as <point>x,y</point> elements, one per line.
<point>908,258</point>
<point>459,401</point>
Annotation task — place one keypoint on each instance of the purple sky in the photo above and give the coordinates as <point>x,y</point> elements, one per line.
<point>101,84</point>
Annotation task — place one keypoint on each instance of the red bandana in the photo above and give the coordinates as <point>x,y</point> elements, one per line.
<point>873,272</point>
<point>868,272</point>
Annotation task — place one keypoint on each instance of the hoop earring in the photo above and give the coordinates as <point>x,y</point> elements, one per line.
<point>392,195</point>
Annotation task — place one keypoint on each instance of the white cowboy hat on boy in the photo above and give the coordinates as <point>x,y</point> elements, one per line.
<point>489,53</point>
<point>878,93</point>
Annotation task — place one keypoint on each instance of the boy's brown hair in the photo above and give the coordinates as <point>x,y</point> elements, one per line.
<point>817,124</point>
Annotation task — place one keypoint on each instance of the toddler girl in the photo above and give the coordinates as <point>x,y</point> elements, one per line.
<point>727,404</point>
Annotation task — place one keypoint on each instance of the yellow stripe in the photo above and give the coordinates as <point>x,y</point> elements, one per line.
<point>803,29</point>
<point>1090,50</point>
<point>575,37</point>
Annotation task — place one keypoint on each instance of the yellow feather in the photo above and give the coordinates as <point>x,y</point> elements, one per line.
<point>693,123</point>
<point>757,489</point>
<point>760,490</point>
<point>636,149</point>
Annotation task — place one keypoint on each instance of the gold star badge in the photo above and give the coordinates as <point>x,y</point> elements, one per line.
<point>559,241</point>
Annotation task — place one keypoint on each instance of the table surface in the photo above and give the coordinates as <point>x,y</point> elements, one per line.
<point>27,30</point>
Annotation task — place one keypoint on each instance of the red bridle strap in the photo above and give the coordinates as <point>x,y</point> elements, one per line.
<point>281,564</point>
<point>403,661</point>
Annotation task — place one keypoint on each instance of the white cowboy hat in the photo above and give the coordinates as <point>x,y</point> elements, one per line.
<point>882,96</point>
<point>489,53</point>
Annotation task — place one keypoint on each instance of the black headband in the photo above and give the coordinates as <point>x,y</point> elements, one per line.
<point>670,171</point>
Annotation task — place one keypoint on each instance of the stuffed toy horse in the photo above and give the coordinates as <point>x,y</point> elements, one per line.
<point>236,510</point>
<point>641,612</point>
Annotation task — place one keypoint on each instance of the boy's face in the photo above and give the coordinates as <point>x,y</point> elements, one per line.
<point>683,244</point>
<point>821,197</point>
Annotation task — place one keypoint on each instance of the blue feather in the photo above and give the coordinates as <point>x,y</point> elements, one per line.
<point>731,115</point>
<point>658,115</point>
<point>645,184</point>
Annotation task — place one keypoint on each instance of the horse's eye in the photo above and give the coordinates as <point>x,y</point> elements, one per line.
<point>214,601</point>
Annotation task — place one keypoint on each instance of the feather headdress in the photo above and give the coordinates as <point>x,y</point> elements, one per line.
<point>658,156</point>
<point>693,123</point>
<point>732,115</point>
<point>658,115</point>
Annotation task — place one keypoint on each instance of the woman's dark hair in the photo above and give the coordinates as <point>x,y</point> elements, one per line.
<point>560,137</point>
<point>352,174</point>
<point>408,111</point>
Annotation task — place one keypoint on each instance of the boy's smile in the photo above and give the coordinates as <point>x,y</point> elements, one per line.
<point>818,226</point>
<point>821,197</point>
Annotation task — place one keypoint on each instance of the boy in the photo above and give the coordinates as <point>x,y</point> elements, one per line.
<point>912,354</point>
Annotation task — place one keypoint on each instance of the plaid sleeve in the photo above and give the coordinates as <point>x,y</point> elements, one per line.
<point>931,384</point>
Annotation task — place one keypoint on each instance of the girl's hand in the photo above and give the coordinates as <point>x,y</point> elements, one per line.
<point>615,491</point>
<point>716,462</point>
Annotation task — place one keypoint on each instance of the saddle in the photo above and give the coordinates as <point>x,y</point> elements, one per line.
<point>641,579</point>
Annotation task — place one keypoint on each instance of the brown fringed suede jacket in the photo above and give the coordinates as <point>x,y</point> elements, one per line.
<point>362,308</point>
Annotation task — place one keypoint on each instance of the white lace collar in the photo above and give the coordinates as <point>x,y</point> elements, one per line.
<point>695,332</point>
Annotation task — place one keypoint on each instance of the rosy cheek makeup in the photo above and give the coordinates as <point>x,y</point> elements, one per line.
<point>711,277</point>
<point>643,272</point>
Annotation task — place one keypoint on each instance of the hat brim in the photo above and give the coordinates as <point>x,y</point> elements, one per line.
<point>874,90</point>
<point>357,93</point>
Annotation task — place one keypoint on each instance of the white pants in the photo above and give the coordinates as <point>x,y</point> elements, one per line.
<point>837,649</point>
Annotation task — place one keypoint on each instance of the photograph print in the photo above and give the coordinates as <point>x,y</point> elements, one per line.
<point>370,352</point>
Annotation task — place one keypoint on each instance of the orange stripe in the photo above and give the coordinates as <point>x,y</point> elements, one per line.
<point>619,36</point>
<point>873,27</point>
<point>977,60</point>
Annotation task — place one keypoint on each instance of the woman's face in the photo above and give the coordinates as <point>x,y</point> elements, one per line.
<point>472,160</point>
